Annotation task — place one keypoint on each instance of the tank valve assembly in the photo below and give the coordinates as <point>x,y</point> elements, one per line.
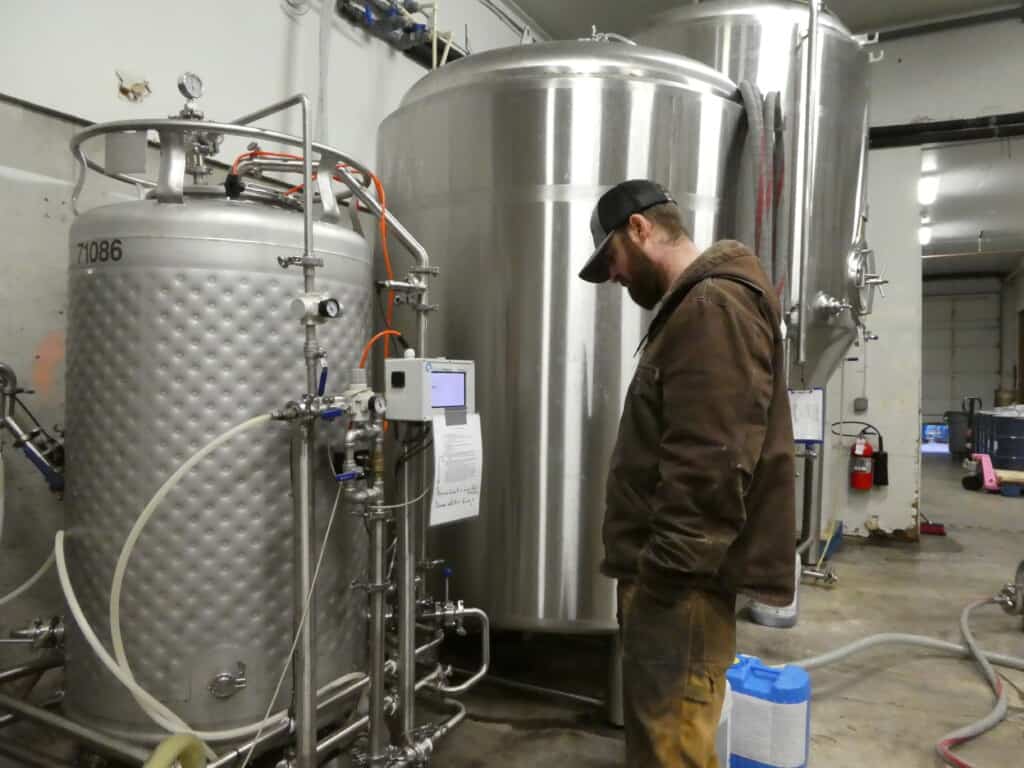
<point>40,447</point>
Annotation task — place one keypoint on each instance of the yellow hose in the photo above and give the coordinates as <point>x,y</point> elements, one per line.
<point>181,748</point>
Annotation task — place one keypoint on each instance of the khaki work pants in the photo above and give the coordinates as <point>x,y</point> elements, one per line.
<point>676,651</point>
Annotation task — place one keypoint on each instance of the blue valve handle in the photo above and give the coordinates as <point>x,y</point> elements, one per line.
<point>322,386</point>
<point>354,474</point>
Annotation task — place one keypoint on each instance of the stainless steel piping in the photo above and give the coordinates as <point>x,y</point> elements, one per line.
<point>304,662</point>
<point>346,163</point>
<point>26,756</point>
<point>406,613</point>
<point>50,703</point>
<point>808,168</point>
<point>285,727</point>
<point>30,668</point>
<point>100,742</point>
<point>378,745</point>
<point>342,738</point>
<point>485,652</point>
<point>282,728</point>
<point>540,690</point>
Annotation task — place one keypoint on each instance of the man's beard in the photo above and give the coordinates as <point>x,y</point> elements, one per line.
<point>644,282</point>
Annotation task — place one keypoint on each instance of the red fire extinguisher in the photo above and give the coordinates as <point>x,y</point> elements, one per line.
<point>862,465</point>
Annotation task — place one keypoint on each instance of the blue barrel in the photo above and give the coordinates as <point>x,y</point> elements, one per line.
<point>1000,433</point>
<point>771,715</point>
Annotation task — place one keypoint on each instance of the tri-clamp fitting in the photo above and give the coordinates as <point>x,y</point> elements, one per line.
<point>1011,596</point>
<point>41,634</point>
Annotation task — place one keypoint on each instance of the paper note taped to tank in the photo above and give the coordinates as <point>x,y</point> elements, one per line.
<point>458,466</point>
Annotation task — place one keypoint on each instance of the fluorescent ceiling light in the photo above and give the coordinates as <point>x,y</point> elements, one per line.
<point>924,235</point>
<point>927,189</point>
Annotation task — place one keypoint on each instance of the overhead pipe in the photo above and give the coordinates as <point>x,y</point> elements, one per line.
<point>1012,13</point>
<point>1000,126</point>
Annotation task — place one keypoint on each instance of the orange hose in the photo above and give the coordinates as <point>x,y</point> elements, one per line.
<point>261,153</point>
<point>390,312</point>
<point>366,350</point>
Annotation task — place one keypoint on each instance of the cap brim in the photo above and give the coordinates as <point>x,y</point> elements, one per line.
<point>596,268</point>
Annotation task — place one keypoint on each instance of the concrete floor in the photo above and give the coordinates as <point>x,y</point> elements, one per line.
<point>885,708</point>
<point>882,709</point>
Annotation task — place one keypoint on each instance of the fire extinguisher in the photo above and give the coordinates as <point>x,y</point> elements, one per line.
<point>862,465</point>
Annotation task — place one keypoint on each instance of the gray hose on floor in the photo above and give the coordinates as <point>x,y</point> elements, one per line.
<point>993,718</point>
<point>984,658</point>
<point>893,638</point>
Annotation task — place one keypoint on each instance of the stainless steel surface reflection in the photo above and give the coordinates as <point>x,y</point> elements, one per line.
<point>765,42</point>
<point>496,162</point>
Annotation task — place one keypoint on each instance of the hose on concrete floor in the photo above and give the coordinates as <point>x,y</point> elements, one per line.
<point>993,718</point>
<point>985,660</point>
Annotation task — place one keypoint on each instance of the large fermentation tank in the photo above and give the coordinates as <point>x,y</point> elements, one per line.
<point>766,43</point>
<point>179,328</point>
<point>496,162</point>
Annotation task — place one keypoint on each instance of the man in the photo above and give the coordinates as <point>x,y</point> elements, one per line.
<point>700,491</point>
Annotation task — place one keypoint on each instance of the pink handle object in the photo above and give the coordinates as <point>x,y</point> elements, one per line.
<point>988,474</point>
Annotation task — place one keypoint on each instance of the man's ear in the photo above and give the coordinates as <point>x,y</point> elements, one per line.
<point>640,228</point>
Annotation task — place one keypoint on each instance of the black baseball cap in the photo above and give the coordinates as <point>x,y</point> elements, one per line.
<point>611,212</point>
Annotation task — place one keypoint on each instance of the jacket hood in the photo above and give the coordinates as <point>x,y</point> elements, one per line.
<point>730,259</point>
<point>727,259</point>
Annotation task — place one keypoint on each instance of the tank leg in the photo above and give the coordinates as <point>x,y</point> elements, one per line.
<point>613,704</point>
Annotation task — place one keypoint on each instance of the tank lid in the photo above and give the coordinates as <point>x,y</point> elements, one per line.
<point>569,58</point>
<point>714,9</point>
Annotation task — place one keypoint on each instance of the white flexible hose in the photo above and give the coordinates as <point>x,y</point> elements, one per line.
<point>122,565</point>
<point>17,591</point>
<point>167,719</point>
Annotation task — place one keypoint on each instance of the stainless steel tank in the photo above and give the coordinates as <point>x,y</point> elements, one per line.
<point>766,43</point>
<point>178,328</point>
<point>496,162</point>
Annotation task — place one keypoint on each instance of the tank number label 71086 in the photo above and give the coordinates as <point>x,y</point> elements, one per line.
<point>95,251</point>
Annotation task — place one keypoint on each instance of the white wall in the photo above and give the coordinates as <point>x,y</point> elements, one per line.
<point>894,362</point>
<point>63,54</point>
<point>947,75</point>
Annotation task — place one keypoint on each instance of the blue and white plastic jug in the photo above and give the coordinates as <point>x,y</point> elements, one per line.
<point>771,715</point>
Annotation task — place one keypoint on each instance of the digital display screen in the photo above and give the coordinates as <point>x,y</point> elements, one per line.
<point>447,389</point>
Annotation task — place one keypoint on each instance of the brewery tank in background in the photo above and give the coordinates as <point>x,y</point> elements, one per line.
<point>179,328</point>
<point>766,43</point>
<point>496,162</point>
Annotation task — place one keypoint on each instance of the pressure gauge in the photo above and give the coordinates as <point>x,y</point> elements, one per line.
<point>190,86</point>
<point>378,406</point>
<point>330,308</point>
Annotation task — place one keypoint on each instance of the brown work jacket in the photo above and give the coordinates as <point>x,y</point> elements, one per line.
<point>701,485</point>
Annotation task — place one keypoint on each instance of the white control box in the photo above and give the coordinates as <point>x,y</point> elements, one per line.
<point>419,388</point>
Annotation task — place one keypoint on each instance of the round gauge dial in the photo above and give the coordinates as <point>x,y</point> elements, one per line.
<point>329,308</point>
<point>190,86</point>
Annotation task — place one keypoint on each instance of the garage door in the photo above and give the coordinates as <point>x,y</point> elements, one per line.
<point>961,351</point>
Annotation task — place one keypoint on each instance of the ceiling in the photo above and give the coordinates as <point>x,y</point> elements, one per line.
<point>976,220</point>
<point>573,18</point>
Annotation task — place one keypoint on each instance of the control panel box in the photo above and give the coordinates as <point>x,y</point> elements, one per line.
<point>419,388</point>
